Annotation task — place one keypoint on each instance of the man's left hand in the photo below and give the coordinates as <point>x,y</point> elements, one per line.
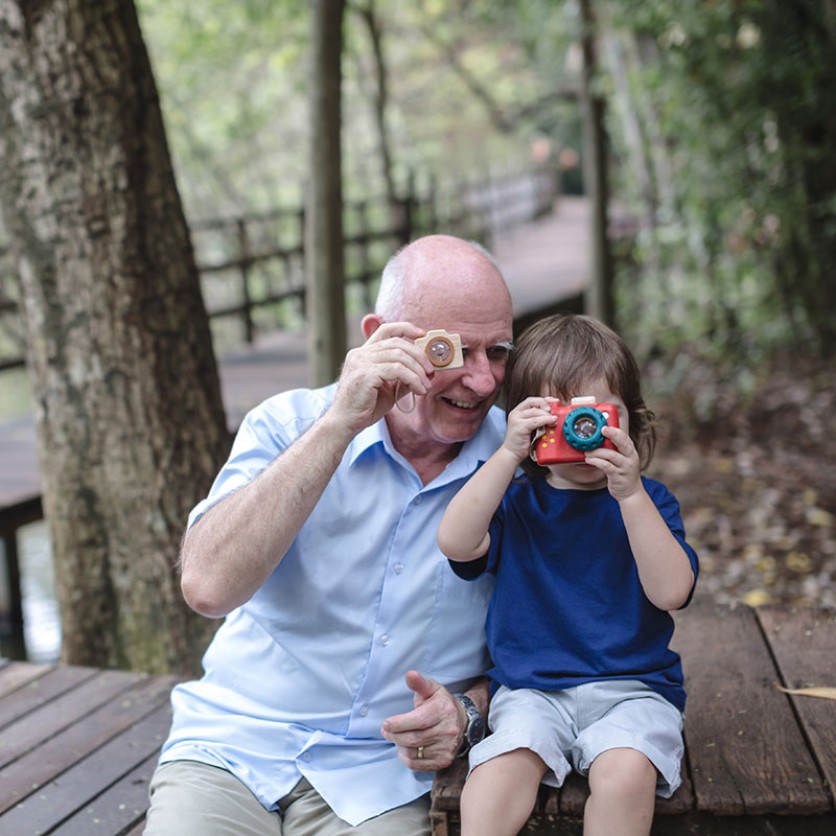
<point>429,736</point>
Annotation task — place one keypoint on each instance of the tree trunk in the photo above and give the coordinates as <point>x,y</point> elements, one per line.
<point>368,15</point>
<point>324,263</point>
<point>131,427</point>
<point>599,296</point>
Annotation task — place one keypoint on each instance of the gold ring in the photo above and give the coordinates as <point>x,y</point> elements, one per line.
<point>420,753</point>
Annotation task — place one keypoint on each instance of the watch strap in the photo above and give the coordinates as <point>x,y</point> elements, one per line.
<point>475,729</point>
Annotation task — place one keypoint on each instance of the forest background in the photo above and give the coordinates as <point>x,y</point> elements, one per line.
<point>720,122</point>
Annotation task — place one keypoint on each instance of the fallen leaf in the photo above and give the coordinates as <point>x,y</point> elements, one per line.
<point>823,693</point>
<point>757,598</point>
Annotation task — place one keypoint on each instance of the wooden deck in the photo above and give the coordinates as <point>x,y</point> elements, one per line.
<point>78,745</point>
<point>758,761</point>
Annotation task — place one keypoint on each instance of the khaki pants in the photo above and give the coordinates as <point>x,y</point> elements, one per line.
<point>193,799</point>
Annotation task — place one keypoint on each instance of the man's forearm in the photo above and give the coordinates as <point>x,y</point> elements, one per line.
<point>231,551</point>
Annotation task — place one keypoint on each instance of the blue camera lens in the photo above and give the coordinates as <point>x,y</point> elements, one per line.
<point>582,428</point>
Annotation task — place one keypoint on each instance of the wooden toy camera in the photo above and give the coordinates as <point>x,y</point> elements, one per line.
<point>578,430</point>
<point>443,349</point>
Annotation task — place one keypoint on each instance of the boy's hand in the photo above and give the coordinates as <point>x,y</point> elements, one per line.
<point>529,415</point>
<point>621,466</point>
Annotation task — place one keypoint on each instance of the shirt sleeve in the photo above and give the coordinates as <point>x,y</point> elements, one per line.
<point>668,507</point>
<point>266,431</point>
<point>469,570</point>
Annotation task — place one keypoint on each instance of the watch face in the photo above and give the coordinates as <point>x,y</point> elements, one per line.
<point>475,729</point>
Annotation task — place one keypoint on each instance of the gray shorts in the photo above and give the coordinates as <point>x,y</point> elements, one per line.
<point>571,728</point>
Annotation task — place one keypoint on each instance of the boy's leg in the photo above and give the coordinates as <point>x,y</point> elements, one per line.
<point>499,794</point>
<point>622,787</point>
<point>631,748</point>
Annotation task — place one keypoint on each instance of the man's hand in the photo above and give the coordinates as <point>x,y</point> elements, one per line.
<point>429,736</point>
<point>386,367</point>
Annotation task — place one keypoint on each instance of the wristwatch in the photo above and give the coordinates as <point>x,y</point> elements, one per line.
<point>475,730</point>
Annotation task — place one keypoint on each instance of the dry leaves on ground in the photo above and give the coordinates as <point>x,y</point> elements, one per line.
<point>758,493</point>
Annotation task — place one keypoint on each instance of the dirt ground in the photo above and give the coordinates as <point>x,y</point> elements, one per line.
<point>757,486</point>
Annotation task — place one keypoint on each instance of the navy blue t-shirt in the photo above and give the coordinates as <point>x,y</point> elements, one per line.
<point>568,607</point>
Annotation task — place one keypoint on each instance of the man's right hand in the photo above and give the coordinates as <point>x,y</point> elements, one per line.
<point>385,368</point>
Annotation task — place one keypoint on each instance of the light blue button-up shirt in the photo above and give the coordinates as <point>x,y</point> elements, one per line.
<point>300,678</point>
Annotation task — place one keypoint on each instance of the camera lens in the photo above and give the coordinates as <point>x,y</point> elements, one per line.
<point>582,428</point>
<point>440,352</point>
<point>585,427</point>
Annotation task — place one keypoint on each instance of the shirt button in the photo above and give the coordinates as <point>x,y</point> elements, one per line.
<point>398,567</point>
<point>364,710</point>
<point>306,756</point>
<point>384,640</point>
<point>419,500</point>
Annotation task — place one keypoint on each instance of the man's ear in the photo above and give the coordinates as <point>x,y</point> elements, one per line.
<point>370,323</point>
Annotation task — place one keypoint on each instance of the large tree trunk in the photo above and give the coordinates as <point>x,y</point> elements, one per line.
<point>324,260</point>
<point>128,407</point>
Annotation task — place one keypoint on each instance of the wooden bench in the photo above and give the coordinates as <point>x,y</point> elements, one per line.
<point>78,745</point>
<point>758,761</point>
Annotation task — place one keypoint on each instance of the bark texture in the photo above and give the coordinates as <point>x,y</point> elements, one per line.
<point>130,418</point>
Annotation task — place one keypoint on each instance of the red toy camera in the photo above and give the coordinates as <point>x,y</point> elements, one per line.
<point>578,430</point>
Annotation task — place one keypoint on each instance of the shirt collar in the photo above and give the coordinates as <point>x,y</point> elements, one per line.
<point>474,452</point>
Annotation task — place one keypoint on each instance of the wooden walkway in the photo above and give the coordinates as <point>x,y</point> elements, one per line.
<point>78,745</point>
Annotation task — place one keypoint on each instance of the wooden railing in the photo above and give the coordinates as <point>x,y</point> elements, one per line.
<point>252,265</point>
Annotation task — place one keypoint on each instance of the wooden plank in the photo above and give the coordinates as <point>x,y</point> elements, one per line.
<point>447,786</point>
<point>122,806</point>
<point>60,710</point>
<point>745,749</point>
<point>76,795</point>
<point>15,675</point>
<point>121,810</point>
<point>47,761</point>
<point>38,693</point>
<point>803,643</point>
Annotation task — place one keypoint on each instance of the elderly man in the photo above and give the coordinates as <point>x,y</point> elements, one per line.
<point>350,663</point>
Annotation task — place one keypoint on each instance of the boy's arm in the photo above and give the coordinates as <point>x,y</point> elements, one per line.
<point>463,532</point>
<point>664,568</point>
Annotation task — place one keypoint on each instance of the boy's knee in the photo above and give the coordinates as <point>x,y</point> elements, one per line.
<point>622,774</point>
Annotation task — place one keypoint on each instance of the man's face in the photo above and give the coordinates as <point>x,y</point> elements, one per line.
<point>459,399</point>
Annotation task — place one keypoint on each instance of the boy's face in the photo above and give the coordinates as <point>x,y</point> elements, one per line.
<point>579,475</point>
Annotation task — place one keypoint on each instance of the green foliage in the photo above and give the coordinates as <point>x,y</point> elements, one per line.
<point>722,119</point>
<point>233,79</point>
<point>738,124</point>
<point>233,99</point>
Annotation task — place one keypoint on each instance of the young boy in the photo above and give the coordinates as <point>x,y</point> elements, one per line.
<point>589,558</point>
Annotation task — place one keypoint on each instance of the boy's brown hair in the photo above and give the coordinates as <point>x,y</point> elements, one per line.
<point>564,351</point>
